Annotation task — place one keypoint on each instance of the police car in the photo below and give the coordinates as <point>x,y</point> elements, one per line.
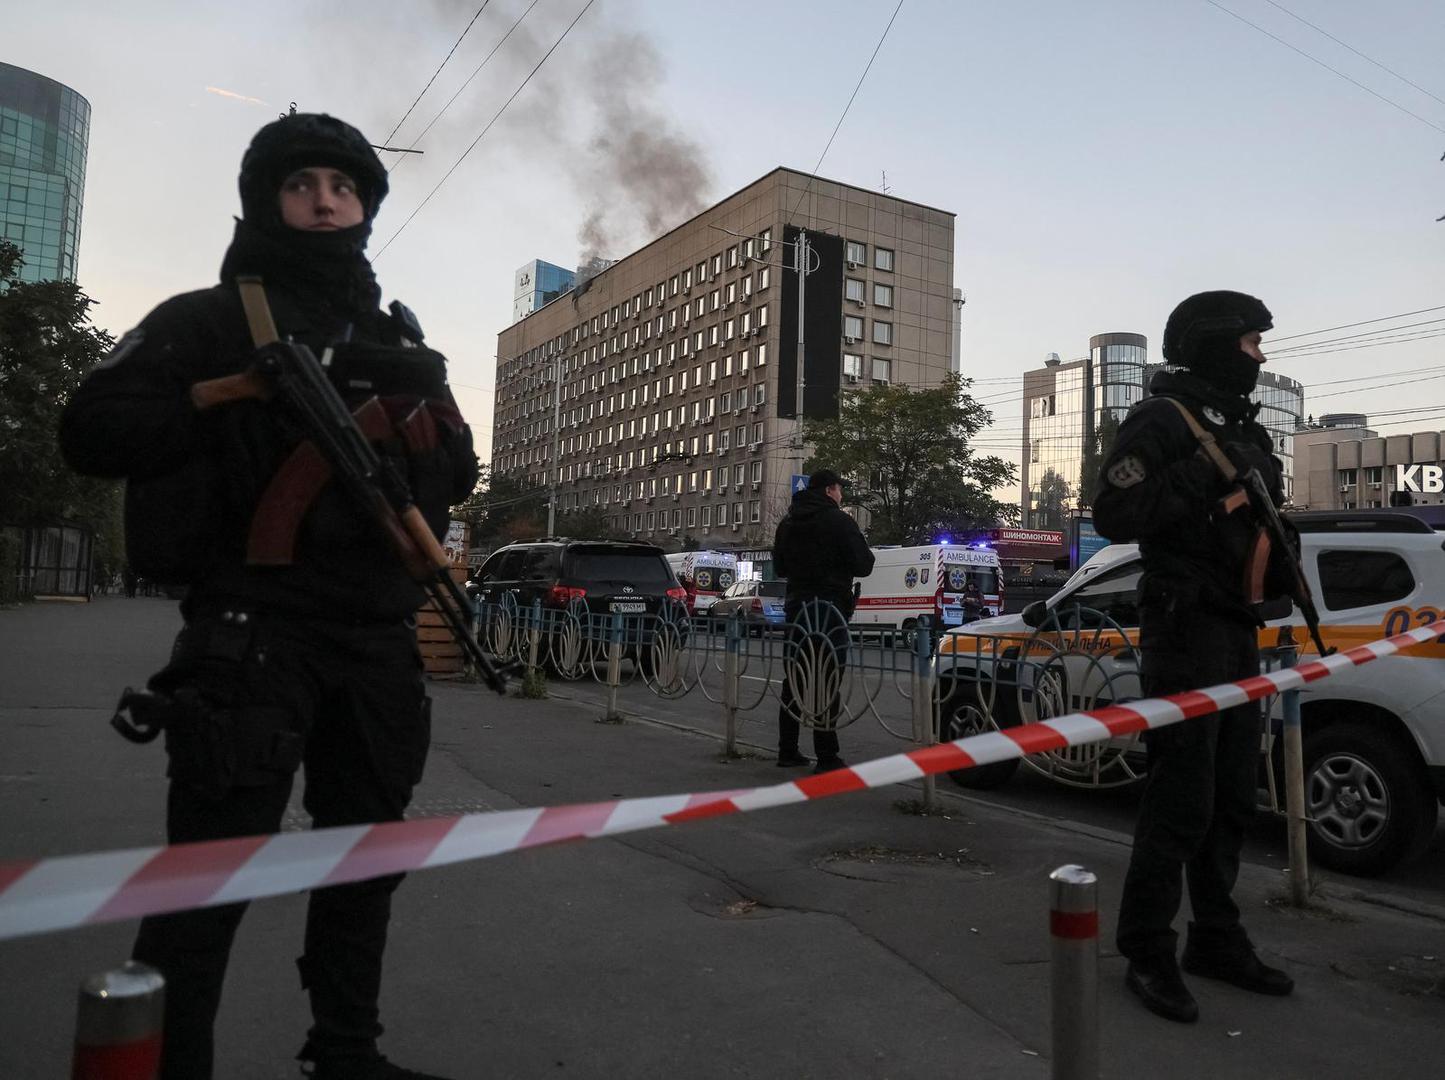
<point>1374,736</point>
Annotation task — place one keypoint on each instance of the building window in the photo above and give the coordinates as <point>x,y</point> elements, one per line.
<point>856,253</point>
<point>1374,475</point>
<point>853,289</point>
<point>762,354</point>
<point>757,472</point>
<point>1348,478</point>
<point>692,517</point>
<point>882,371</point>
<point>755,513</point>
<point>707,517</point>
<point>882,259</point>
<point>725,401</point>
<point>765,241</point>
<point>852,365</point>
<point>883,295</point>
<point>764,277</point>
<point>760,394</point>
<point>722,514</point>
<point>852,328</point>
<point>882,333</point>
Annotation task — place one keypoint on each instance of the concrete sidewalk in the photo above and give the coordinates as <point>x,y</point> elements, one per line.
<point>844,937</point>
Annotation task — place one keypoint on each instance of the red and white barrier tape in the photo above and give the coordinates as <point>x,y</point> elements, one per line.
<point>79,890</point>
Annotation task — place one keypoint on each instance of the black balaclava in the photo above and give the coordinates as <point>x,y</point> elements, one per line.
<point>1203,334</point>
<point>328,267</point>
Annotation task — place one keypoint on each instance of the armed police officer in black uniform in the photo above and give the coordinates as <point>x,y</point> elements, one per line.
<point>299,644</point>
<point>1198,623</point>
<point>820,550</point>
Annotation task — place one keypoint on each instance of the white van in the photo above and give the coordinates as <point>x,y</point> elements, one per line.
<point>706,575</point>
<point>950,583</point>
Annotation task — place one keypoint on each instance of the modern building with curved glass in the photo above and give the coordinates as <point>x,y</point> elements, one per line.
<point>1068,407</point>
<point>44,134</point>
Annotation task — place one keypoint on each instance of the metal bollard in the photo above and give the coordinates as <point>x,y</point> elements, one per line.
<point>614,665</point>
<point>118,1025</point>
<point>1294,781</point>
<point>534,637</point>
<point>731,679</point>
<point>925,732</point>
<point>1074,972</point>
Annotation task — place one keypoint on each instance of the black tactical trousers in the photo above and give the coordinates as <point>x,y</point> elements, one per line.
<point>355,697</point>
<point>816,654</point>
<point>1200,792</point>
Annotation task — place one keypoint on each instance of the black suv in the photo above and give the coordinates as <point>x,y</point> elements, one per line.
<point>607,575</point>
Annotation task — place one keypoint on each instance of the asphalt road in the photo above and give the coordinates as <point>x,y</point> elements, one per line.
<point>884,725</point>
<point>850,936</point>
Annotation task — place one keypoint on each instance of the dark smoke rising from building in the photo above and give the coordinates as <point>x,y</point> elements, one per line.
<point>642,175</point>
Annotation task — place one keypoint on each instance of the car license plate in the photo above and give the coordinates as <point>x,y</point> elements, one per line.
<point>627,607</point>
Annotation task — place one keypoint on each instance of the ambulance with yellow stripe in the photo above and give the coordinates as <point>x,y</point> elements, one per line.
<point>1374,736</point>
<point>948,584</point>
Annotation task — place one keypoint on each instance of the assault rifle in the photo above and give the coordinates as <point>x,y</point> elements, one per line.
<point>290,373</point>
<point>1268,517</point>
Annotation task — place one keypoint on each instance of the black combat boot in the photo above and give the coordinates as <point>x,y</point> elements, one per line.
<point>1244,970</point>
<point>1161,988</point>
<point>377,1068</point>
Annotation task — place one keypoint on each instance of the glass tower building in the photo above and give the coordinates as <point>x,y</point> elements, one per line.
<point>44,133</point>
<point>1066,407</point>
<point>537,284</point>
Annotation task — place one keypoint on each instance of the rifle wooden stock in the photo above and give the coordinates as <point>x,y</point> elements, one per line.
<point>242,387</point>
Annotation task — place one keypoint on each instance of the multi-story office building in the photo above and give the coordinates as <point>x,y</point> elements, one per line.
<point>44,133</point>
<point>536,285</point>
<point>1067,405</point>
<point>678,367</point>
<point>1346,466</point>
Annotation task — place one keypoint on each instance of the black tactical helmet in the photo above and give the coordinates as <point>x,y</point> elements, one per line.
<point>301,140</point>
<point>1206,315</point>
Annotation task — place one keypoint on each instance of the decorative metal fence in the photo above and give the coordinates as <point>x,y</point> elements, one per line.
<point>921,686</point>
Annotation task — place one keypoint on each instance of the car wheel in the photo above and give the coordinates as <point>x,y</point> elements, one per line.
<point>961,714</point>
<point>1369,804</point>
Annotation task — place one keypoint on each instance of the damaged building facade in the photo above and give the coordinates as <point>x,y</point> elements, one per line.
<point>664,388</point>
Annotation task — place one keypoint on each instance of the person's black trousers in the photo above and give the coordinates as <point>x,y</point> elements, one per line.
<point>356,696</point>
<point>1200,792</point>
<point>818,640</point>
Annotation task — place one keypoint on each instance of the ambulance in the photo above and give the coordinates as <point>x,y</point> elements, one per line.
<point>705,574</point>
<point>950,583</point>
<point>1374,736</point>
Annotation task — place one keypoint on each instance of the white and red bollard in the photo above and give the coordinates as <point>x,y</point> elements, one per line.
<point>118,1026</point>
<point>1074,972</point>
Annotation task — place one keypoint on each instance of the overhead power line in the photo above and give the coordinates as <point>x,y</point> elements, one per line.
<point>1327,67</point>
<point>475,72</point>
<point>586,7</point>
<point>812,176</point>
<point>1362,56</point>
<point>438,71</point>
<point>1271,342</point>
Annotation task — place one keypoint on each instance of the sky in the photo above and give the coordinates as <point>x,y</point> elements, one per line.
<point>1105,160</point>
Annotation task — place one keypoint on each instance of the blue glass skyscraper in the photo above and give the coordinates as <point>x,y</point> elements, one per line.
<point>44,133</point>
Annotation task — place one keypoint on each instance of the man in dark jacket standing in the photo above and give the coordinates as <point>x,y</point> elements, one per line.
<point>1198,620</point>
<point>299,642</point>
<point>820,550</point>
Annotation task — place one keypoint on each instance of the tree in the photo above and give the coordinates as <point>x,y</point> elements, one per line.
<point>1096,452</point>
<point>907,458</point>
<point>502,509</point>
<point>588,523</point>
<point>1051,510</point>
<point>47,345</point>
